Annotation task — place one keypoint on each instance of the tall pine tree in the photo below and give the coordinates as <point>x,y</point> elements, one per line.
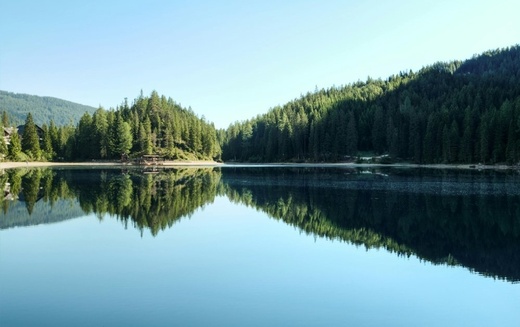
<point>30,139</point>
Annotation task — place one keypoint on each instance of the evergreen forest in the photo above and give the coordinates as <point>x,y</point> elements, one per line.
<point>151,125</point>
<point>449,112</point>
<point>454,112</point>
<point>43,109</point>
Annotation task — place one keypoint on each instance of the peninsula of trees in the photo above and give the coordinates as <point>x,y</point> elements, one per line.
<point>151,125</point>
<point>455,112</point>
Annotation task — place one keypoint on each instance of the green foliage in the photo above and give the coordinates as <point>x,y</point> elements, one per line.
<point>153,125</point>
<point>3,148</point>
<point>43,109</point>
<point>131,197</point>
<point>445,113</point>
<point>47,151</point>
<point>31,139</point>
<point>15,148</point>
<point>122,137</point>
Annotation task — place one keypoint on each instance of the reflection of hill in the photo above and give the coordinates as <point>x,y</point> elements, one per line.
<point>465,218</point>
<point>153,201</point>
<point>442,220</point>
<point>43,213</point>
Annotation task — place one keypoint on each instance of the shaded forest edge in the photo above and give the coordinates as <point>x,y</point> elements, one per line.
<point>459,112</point>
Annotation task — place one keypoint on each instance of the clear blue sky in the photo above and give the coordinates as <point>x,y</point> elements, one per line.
<point>232,60</point>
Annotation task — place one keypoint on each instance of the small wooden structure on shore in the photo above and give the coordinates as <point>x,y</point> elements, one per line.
<point>150,160</point>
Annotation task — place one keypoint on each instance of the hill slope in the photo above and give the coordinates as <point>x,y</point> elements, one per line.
<point>43,109</point>
<point>455,112</point>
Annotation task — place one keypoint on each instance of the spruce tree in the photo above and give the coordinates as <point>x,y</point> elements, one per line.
<point>30,139</point>
<point>47,150</point>
<point>15,148</point>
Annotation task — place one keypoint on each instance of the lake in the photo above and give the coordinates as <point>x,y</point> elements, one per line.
<point>259,246</point>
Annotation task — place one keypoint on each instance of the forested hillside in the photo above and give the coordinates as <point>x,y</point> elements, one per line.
<point>43,109</point>
<point>456,112</point>
<point>151,125</point>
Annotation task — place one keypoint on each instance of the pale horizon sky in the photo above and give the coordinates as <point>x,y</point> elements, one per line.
<point>233,60</point>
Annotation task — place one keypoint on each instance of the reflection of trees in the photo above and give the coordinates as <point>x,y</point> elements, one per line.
<point>153,201</point>
<point>442,219</point>
<point>478,232</point>
<point>160,200</point>
<point>31,188</point>
<point>28,187</point>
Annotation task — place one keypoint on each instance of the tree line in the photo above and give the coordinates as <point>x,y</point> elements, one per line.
<point>456,112</point>
<point>151,125</point>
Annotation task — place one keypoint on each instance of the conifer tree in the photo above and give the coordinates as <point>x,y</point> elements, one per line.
<point>30,139</point>
<point>15,148</point>
<point>47,150</point>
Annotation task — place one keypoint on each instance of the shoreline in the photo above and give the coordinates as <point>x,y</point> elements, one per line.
<point>33,164</point>
<point>203,163</point>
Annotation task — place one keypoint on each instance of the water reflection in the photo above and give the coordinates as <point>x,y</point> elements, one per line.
<point>465,218</point>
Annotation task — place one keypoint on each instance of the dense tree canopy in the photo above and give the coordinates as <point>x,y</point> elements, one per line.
<point>445,113</point>
<point>151,125</point>
<point>43,109</point>
<point>456,112</point>
<point>30,139</point>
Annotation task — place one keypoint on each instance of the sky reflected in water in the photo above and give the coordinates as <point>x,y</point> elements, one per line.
<point>229,265</point>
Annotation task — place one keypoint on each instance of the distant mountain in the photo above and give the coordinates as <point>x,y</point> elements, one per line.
<point>43,109</point>
<point>17,215</point>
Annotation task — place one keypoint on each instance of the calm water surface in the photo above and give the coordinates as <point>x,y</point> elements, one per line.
<point>259,247</point>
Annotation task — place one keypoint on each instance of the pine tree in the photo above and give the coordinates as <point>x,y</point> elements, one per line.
<point>352,135</point>
<point>100,130</point>
<point>121,140</point>
<point>511,148</point>
<point>454,142</point>
<point>85,141</point>
<point>484,141</point>
<point>378,131</point>
<point>47,150</point>
<point>15,148</point>
<point>30,139</point>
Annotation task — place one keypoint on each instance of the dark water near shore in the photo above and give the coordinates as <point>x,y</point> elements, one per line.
<point>259,246</point>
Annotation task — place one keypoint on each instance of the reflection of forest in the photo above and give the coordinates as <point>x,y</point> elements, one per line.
<point>149,201</point>
<point>443,219</point>
<point>455,227</point>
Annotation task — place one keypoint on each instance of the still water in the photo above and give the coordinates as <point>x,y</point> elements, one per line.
<point>259,246</point>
